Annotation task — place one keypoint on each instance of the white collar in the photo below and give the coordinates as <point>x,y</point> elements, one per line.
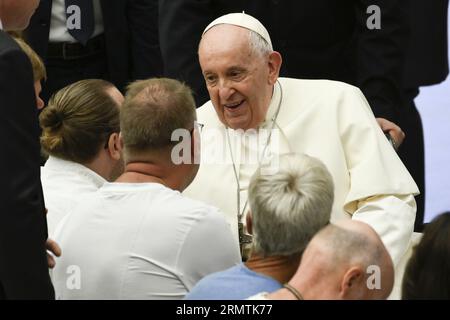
<point>274,105</point>
<point>1,25</point>
<point>58,164</point>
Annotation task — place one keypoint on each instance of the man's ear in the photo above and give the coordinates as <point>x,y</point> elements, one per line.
<point>274,62</point>
<point>351,282</point>
<point>121,140</point>
<point>248,220</point>
<point>115,146</point>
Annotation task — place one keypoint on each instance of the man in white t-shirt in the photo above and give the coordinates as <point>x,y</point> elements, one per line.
<point>139,238</point>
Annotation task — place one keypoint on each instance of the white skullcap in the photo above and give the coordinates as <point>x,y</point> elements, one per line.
<point>242,20</point>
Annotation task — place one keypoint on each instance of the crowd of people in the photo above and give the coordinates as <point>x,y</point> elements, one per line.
<point>263,168</point>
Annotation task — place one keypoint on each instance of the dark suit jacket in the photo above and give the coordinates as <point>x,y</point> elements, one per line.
<point>427,55</point>
<point>131,33</point>
<point>317,39</point>
<point>23,227</point>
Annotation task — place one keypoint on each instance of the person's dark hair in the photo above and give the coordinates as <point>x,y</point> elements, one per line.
<point>79,120</point>
<point>427,274</point>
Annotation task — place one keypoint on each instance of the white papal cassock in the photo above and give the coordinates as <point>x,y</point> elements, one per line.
<point>331,121</point>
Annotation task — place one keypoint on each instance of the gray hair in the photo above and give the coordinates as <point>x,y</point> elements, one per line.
<point>291,206</point>
<point>258,44</point>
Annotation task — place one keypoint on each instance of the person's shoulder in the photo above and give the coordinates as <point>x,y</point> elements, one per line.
<point>13,58</point>
<point>200,209</point>
<point>318,95</point>
<point>215,285</point>
<point>6,42</point>
<point>10,47</point>
<point>316,85</point>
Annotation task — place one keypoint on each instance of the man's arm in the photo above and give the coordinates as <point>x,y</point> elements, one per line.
<point>380,55</point>
<point>392,217</point>
<point>23,231</point>
<point>381,189</point>
<point>146,61</point>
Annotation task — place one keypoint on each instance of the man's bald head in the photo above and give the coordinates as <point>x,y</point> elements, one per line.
<point>350,261</point>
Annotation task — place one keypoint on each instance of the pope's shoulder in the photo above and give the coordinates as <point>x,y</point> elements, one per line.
<point>304,91</point>
<point>313,86</point>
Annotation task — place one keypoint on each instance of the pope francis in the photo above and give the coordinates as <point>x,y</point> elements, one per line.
<point>254,115</point>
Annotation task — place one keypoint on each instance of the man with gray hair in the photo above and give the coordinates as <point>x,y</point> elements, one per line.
<point>287,208</point>
<point>345,261</point>
<point>329,120</point>
<point>138,237</point>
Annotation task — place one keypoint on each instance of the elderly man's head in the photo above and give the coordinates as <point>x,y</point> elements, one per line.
<point>345,261</point>
<point>240,69</point>
<point>16,14</point>
<point>290,206</point>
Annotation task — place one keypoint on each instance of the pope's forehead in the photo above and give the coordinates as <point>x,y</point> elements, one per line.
<point>225,34</point>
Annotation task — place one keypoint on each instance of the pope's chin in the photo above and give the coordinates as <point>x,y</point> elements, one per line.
<point>236,122</point>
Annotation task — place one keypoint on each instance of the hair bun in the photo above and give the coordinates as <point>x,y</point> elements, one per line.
<point>51,119</point>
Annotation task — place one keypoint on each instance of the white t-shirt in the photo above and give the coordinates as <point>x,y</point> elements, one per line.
<point>140,241</point>
<point>64,184</point>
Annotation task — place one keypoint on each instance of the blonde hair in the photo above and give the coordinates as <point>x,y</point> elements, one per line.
<point>79,120</point>
<point>152,110</point>
<point>39,71</point>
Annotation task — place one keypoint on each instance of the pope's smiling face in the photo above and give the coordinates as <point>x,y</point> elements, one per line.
<point>239,80</point>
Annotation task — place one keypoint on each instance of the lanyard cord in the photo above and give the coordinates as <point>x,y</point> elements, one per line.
<point>240,213</point>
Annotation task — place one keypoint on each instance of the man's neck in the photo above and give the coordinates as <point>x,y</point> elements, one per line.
<point>281,268</point>
<point>143,172</point>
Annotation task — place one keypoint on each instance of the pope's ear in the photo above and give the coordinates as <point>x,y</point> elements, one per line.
<point>274,62</point>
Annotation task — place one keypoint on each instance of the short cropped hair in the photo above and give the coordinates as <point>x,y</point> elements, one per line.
<point>152,111</point>
<point>348,246</point>
<point>39,71</point>
<point>79,120</point>
<point>291,206</point>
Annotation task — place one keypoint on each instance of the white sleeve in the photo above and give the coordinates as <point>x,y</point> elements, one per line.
<point>209,247</point>
<point>392,217</point>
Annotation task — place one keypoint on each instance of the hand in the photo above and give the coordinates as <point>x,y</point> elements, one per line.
<point>393,130</point>
<point>52,249</point>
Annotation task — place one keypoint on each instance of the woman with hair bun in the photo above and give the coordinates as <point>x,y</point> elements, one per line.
<point>80,133</point>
